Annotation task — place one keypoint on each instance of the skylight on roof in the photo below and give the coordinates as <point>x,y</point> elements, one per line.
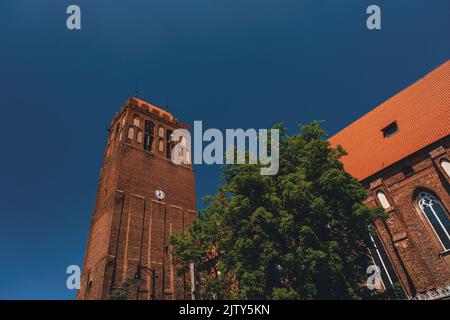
<point>390,130</point>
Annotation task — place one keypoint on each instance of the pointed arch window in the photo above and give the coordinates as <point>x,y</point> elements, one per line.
<point>161,132</point>
<point>136,121</point>
<point>130,133</point>
<point>139,136</point>
<point>436,215</point>
<point>445,164</point>
<point>381,259</point>
<point>383,200</point>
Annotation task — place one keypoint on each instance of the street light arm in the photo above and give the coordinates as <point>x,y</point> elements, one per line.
<point>150,271</point>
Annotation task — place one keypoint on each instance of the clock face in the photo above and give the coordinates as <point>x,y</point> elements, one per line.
<point>159,194</point>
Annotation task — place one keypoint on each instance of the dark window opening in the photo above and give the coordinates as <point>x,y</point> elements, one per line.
<point>148,141</point>
<point>390,130</point>
<point>149,126</point>
<point>407,171</point>
<point>169,144</point>
<point>148,135</point>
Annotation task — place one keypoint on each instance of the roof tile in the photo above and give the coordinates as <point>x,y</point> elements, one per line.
<point>422,113</point>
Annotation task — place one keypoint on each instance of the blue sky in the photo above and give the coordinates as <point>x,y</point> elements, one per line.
<point>231,64</point>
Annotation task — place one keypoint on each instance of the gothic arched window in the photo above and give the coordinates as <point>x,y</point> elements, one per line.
<point>445,164</point>
<point>383,199</point>
<point>161,132</point>
<point>130,133</point>
<point>436,216</point>
<point>136,121</point>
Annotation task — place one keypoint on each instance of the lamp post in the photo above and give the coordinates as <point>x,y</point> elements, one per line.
<point>138,279</point>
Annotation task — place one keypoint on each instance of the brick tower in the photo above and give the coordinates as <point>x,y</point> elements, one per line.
<point>142,199</point>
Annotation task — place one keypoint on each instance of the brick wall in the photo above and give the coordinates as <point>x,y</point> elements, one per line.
<point>419,260</point>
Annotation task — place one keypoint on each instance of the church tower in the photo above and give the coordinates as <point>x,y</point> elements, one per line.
<point>142,199</point>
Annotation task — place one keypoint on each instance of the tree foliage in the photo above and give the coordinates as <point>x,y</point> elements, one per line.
<point>300,234</point>
<point>123,291</point>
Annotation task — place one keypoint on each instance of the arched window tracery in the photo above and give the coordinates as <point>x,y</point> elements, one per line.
<point>436,215</point>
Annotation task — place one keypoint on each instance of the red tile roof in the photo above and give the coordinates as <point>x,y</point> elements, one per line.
<point>422,114</point>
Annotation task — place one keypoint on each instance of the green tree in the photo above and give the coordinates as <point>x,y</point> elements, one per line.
<point>123,291</point>
<point>299,234</point>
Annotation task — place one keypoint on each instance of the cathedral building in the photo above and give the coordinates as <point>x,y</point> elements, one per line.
<point>142,199</point>
<point>400,151</point>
